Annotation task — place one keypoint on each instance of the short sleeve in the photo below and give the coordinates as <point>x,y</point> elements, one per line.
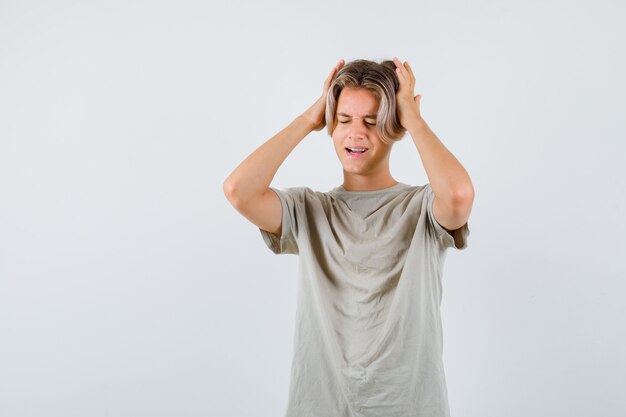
<point>290,201</point>
<point>457,239</point>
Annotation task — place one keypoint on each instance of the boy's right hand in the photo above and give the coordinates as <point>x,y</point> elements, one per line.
<point>316,113</point>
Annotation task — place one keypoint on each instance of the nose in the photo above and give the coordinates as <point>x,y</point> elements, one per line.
<point>358,128</point>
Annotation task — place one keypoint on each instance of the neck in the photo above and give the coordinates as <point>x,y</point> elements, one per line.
<point>365,183</point>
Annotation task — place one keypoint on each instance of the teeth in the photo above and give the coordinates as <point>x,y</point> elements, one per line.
<point>357,149</point>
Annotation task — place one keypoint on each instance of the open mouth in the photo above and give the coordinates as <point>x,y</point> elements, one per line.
<point>356,151</point>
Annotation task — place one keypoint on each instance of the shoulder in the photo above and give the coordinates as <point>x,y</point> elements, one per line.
<point>309,193</point>
<point>419,193</point>
<point>300,195</point>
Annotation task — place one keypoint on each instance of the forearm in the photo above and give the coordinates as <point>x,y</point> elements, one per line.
<point>254,175</point>
<point>448,179</point>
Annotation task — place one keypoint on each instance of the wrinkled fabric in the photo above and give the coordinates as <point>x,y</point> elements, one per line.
<point>368,339</point>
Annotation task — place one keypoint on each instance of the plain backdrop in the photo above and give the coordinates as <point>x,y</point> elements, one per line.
<point>129,286</point>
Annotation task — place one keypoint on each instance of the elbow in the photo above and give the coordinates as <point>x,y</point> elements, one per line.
<point>229,189</point>
<point>235,193</point>
<point>464,197</point>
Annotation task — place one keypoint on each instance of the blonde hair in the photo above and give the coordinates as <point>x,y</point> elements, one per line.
<point>379,78</point>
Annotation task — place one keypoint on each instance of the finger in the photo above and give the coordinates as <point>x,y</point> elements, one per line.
<point>401,70</point>
<point>407,73</point>
<point>398,63</point>
<point>334,70</point>
<point>339,65</point>
<point>410,70</point>
<point>400,75</point>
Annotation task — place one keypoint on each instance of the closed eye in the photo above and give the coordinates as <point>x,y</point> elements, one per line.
<point>371,124</point>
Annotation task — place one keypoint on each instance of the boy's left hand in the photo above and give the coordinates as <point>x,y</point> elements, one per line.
<point>408,106</point>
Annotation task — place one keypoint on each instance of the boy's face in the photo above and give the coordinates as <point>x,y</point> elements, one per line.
<point>356,127</point>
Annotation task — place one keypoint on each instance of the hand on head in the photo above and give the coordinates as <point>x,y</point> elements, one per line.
<point>316,113</point>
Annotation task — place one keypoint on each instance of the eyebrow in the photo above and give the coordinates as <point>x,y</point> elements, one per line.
<point>367,116</point>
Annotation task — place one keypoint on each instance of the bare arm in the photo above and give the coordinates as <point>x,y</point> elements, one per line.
<point>253,176</point>
<point>247,187</point>
<point>450,182</point>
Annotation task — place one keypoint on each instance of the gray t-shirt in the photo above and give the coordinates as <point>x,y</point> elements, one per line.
<point>368,337</point>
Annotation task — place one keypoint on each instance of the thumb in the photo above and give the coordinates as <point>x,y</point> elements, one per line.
<point>417,98</point>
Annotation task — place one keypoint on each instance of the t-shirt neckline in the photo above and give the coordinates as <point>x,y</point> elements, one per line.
<point>341,189</point>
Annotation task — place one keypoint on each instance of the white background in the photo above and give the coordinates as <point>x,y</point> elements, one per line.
<point>129,286</point>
